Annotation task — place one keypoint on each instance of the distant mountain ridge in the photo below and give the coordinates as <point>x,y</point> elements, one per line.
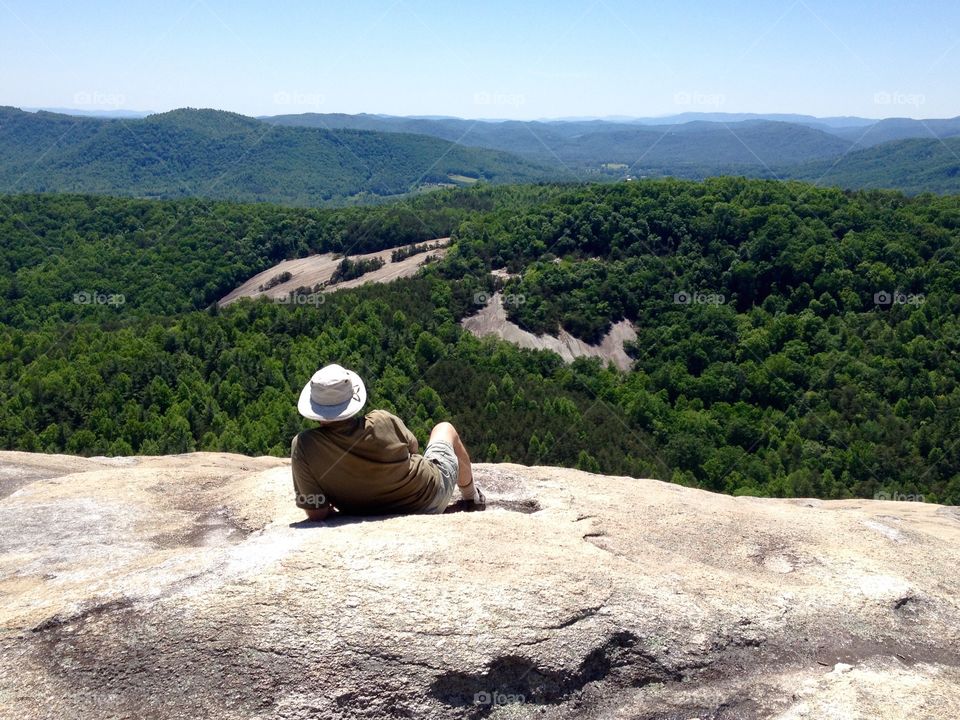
<point>518,135</point>
<point>212,153</point>
<point>848,127</point>
<point>114,113</point>
<point>850,151</point>
<point>892,129</point>
<point>321,159</point>
<point>687,149</point>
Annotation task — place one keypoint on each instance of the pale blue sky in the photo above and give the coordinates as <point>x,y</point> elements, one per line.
<point>519,59</point>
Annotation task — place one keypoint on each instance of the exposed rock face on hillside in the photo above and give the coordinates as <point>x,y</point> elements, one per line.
<point>492,320</point>
<point>317,269</point>
<point>188,587</point>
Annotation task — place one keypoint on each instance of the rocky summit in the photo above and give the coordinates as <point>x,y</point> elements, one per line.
<point>191,587</point>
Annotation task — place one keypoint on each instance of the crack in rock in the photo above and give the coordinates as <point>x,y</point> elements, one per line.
<point>58,621</point>
<point>583,614</point>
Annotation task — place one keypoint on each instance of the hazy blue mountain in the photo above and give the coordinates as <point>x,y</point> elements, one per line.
<point>118,113</point>
<point>697,145</point>
<point>720,117</point>
<point>709,147</point>
<point>900,129</point>
<point>679,118</point>
<point>748,144</point>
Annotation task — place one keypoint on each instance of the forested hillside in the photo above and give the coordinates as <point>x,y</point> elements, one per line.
<point>793,340</point>
<point>913,166</point>
<point>215,154</point>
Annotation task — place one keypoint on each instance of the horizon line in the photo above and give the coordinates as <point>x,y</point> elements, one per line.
<point>105,111</point>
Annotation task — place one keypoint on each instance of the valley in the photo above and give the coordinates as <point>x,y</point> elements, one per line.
<point>741,336</point>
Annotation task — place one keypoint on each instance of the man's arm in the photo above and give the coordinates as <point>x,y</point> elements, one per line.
<point>309,496</point>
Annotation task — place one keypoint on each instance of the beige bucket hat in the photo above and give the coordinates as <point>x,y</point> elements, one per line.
<point>333,393</point>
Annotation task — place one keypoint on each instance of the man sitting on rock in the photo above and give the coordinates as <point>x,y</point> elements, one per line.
<point>368,465</point>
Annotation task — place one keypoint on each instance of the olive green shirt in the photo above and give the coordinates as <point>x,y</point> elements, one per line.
<point>363,466</point>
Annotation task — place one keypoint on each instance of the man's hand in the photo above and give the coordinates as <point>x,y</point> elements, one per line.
<point>318,514</point>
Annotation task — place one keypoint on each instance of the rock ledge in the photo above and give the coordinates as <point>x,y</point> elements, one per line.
<point>188,586</point>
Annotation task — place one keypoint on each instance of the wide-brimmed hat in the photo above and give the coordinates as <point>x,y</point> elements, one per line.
<point>333,393</point>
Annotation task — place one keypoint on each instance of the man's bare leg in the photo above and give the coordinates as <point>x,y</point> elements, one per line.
<point>446,432</point>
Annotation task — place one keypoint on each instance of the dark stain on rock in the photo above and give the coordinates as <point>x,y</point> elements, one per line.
<point>618,661</point>
<point>526,506</point>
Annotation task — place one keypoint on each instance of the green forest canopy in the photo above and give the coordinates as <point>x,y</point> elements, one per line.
<point>788,372</point>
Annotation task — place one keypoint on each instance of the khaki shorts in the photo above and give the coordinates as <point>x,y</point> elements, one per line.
<point>441,453</point>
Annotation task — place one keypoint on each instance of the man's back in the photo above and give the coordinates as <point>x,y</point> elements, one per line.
<point>363,466</point>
